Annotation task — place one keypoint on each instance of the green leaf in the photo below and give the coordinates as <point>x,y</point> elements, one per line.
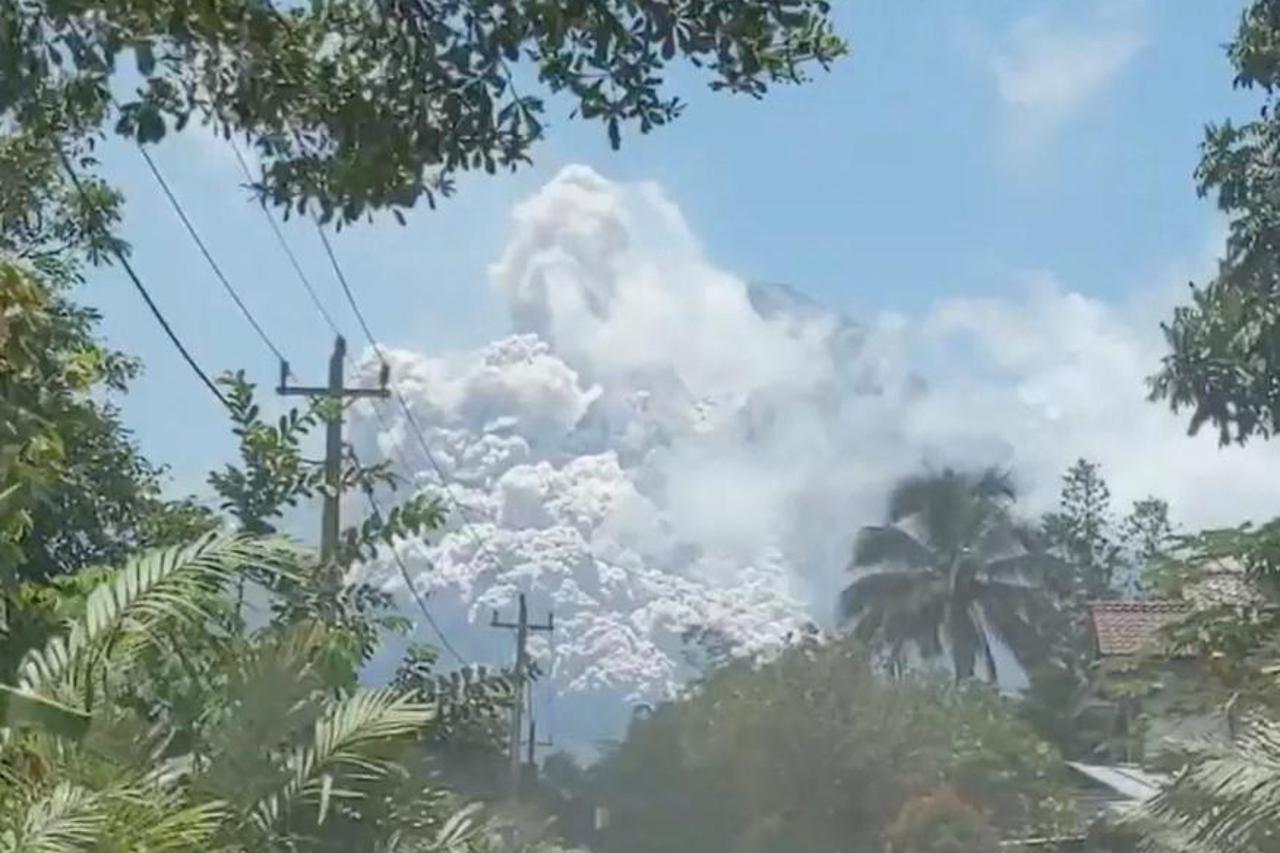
<point>23,709</point>
<point>150,124</point>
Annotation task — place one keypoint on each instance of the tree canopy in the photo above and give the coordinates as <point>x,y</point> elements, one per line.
<point>356,105</point>
<point>1223,363</point>
<point>815,750</point>
<point>77,490</point>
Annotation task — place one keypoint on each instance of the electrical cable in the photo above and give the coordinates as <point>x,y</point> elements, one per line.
<point>408,581</point>
<point>284,245</point>
<point>208,256</point>
<point>481,547</point>
<point>146,296</point>
<point>404,404</point>
<point>373,503</point>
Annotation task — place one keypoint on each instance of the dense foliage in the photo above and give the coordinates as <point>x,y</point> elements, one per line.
<point>1224,797</point>
<point>158,721</point>
<point>1223,365</point>
<point>816,751</point>
<point>1223,362</point>
<point>141,707</point>
<point>145,710</point>
<point>357,105</point>
<point>76,490</point>
<point>1088,710</point>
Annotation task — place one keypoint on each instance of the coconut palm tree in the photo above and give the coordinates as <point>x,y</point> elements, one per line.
<point>950,572</point>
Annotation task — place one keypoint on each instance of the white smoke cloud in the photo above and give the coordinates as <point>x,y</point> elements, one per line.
<point>660,445</point>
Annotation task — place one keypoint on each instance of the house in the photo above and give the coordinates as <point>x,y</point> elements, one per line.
<point>1127,634</point>
<point>1133,627</point>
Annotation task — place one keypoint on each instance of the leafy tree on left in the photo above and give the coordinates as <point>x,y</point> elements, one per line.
<point>143,712</point>
<point>76,489</point>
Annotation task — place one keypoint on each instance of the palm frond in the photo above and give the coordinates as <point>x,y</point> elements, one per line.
<point>1022,615</point>
<point>1228,796</point>
<point>347,746</point>
<point>178,826</point>
<point>23,709</point>
<point>1016,632</point>
<point>891,547</point>
<point>966,640</point>
<point>1028,569</point>
<point>952,536</point>
<point>995,485</point>
<point>950,508</point>
<point>273,692</point>
<point>877,590</point>
<point>460,831</point>
<point>65,819</point>
<point>168,584</point>
<point>906,618</point>
<point>919,494</point>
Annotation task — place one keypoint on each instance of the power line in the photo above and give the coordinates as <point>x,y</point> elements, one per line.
<point>364,325</point>
<point>404,404</point>
<point>284,244</point>
<point>328,318</point>
<point>301,274</point>
<point>417,597</point>
<point>115,250</point>
<point>481,548</point>
<point>373,502</point>
<point>204,250</point>
<point>346,288</point>
<point>204,378</point>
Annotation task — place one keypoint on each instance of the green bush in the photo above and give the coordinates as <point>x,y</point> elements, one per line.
<point>940,822</point>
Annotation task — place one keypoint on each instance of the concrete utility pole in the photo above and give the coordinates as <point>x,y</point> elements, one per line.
<point>522,628</point>
<point>330,526</point>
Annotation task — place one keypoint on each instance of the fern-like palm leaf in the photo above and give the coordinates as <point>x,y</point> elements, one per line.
<point>124,612</point>
<point>64,819</point>
<point>1227,797</point>
<point>348,747</point>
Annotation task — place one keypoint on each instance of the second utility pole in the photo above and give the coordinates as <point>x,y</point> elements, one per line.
<point>522,629</point>
<point>329,526</point>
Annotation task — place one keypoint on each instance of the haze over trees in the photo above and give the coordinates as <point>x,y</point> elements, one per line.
<point>837,757</point>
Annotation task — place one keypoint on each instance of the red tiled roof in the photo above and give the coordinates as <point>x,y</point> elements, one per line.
<point>1130,627</point>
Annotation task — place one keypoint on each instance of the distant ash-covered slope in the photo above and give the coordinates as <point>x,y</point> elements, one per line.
<point>651,451</point>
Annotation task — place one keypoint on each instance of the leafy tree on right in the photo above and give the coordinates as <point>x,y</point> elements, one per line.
<point>1223,363</point>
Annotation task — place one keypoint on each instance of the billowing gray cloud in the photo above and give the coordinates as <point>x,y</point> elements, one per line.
<point>660,444</point>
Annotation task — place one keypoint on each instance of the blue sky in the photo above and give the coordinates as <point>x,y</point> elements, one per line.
<point>959,144</point>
